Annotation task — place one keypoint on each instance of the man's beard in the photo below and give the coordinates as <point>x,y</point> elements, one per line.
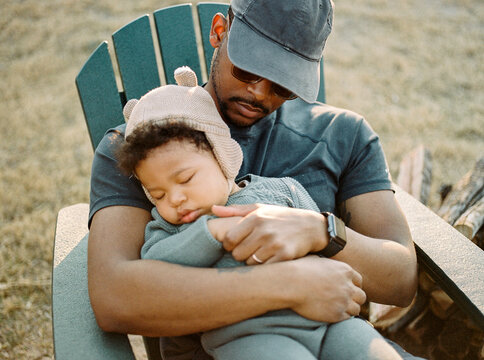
<point>223,105</point>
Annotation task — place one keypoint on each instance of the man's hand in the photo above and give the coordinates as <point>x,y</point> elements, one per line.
<point>220,226</point>
<point>273,233</point>
<point>331,290</point>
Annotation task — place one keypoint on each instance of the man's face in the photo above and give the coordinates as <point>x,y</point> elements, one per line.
<point>239,103</point>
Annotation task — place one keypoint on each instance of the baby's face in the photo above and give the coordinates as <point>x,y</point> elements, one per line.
<point>184,181</point>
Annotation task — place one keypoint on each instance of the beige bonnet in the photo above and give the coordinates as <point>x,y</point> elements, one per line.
<point>193,106</point>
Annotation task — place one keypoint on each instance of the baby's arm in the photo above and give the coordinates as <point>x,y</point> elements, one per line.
<point>194,246</point>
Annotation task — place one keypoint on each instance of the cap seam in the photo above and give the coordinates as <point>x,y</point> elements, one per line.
<point>285,47</point>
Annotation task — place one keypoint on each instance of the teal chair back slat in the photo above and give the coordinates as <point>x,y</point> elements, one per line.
<point>136,58</point>
<point>99,95</point>
<point>206,11</point>
<point>178,44</point>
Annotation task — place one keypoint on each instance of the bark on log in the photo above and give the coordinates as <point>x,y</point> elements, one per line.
<point>426,283</point>
<point>415,173</point>
<point>471,220</point>
<point>478,239</point>
<point>468,190</point>
<point>440,304</point>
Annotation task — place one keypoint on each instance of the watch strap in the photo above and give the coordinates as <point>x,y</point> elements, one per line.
<point>337,236</point>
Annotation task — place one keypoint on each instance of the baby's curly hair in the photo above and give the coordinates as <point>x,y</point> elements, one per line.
<point>149,136</point>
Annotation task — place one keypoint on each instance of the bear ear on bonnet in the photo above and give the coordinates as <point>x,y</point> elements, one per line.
<point>184,76</point>
<point>128,108</point>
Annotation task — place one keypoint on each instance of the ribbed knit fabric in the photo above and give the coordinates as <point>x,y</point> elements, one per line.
<point>192,105</point>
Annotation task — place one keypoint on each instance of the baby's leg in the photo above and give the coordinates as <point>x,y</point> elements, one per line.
<point>356,339</point>
<point>262,347</point>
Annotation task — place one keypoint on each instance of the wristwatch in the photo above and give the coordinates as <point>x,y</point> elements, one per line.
<point>337,236</point>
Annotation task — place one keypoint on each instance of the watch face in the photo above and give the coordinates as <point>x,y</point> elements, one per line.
<point>340,228</point>
<point>337,236</point>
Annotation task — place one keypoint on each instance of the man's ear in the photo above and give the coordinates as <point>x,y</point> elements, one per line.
<point>218,30</point>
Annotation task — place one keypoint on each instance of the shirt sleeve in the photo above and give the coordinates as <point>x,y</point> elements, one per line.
<point>190,245</point>
<point>109,186</point>
<point>366,169</point>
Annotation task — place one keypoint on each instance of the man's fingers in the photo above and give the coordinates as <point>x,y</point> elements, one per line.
<point>262,254</point>
<point>353,309</point>
<point>360,296</point>
<point>233,210</point>
<point>357,279</point>
<point>254,259</point>
<point>239,237</point>
<point>272,259</point>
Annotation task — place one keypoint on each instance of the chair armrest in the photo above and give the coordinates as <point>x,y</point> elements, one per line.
<point>451,259</point>
<point>75,330</point>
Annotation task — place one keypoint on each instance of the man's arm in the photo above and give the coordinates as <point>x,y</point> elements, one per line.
<point>155,298</point>
<point>380,247</point>
<point>379,244</point>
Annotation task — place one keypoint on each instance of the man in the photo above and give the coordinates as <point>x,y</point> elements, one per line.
<point>266,54</point>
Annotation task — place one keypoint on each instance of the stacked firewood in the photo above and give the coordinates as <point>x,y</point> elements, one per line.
<point>433,326</point>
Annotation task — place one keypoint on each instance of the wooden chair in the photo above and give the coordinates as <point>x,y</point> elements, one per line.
<point>75,331</point>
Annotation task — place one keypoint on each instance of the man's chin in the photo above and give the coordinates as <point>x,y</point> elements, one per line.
<point>238,120</point>
<point>242,123</point>
<point>232,113</point>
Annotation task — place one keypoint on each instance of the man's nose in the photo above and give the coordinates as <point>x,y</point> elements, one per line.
<point>261,90</point>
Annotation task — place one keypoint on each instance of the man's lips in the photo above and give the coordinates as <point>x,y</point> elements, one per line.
<point>248,110</point>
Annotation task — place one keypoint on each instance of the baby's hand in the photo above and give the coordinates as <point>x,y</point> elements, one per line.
<point>218,227</point>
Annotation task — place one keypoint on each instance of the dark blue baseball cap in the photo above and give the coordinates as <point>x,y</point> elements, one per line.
<point>282,41</point>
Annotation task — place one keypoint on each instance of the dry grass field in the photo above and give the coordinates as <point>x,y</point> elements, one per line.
<point>413,68</point>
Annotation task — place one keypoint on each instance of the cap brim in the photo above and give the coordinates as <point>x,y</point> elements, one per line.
<point>257,54</point>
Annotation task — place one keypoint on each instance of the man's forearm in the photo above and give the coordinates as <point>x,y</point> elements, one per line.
<point>154,298</point>
<point>388,268</point>
<point>380,247</point>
